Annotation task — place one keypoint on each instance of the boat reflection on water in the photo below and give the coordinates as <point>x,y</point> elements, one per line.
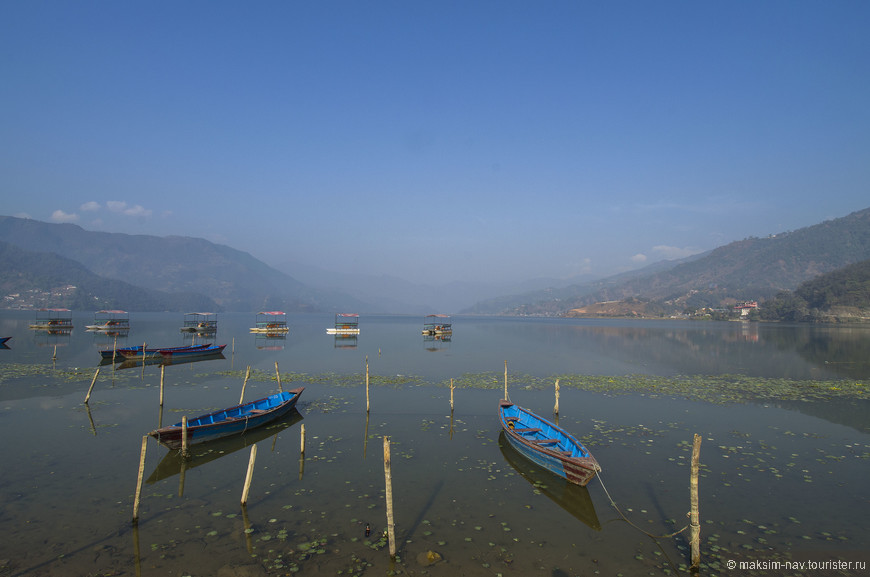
<point>131,363</point>
<point>571,497</point>
<point>173,463</point>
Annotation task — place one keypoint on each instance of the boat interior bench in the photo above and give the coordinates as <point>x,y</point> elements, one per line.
<point>545,441</point>
<point>527,430</point>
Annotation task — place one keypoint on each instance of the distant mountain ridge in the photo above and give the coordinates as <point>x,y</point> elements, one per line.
<point>750,269</point>
<point>232,279</point>
<point>40,279</point>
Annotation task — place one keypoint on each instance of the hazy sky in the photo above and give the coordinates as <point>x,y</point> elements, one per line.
<point>438,140</point>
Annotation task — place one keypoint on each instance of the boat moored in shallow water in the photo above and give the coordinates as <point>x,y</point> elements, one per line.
<point>547,444</point>
<point>231,421</point>
<point>345,324</point>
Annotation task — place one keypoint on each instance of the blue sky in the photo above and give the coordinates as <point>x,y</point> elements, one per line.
<point>438,141</point>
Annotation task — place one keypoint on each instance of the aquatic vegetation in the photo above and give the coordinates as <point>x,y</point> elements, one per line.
<point>718,389</point>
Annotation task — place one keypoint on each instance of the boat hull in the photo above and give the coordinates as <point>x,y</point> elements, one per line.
<point>205,351</point>
<point>133,353</point>
<point>232,421</point>
<point>546,444</point>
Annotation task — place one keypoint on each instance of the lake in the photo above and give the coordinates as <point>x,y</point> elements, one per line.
<point>783,411</point>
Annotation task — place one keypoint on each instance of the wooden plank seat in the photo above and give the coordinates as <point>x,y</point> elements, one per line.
<point>527,430</point>
<point>511,418</point>
<point>545,441</point>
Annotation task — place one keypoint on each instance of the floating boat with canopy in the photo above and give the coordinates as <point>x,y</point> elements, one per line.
<point>434,325</point>
<point>110,321</point>
<point>270,323</point>
<point>345,324</point>
<point>53,320</point>
<point>199,323</point>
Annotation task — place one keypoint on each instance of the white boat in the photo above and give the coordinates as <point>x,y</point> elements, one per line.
<point>434,325</point>
<point>270,323</point>
<point>345,324</point>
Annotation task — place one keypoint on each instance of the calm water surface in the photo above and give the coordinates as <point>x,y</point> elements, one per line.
<point>780,480</point>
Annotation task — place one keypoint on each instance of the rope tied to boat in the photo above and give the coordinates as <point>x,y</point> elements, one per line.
<point>627,520</point>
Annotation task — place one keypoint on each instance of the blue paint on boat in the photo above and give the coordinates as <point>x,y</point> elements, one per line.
<point>231,421</point>
<point>547,444</point>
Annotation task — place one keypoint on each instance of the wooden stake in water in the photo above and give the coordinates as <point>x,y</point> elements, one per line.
<point>505,382</point>
<point>162,367</point>
<point>137,558</point>
<point>185,453</point>
<point>367,384</point>
<point>694,517</point>
<point>139,481</point>
<point>91,388</point>
<point>278,376</point>
<point>556,408</point>
<point>54,356</point>
<point>302,439</point>
<point>245,384</point>
<point>451,396</point>
<point>249,475</point>
<point>388,477</point>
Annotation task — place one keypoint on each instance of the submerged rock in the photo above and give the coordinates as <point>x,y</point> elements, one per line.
<point>429,558</point>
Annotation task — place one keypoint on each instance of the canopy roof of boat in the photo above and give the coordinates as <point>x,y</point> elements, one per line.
<point>271,313</point>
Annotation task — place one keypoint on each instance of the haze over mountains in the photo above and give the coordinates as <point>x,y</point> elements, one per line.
<point>140,272</point>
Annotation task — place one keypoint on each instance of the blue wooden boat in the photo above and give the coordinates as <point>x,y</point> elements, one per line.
<point>150,352</point>
<point>572,498</point>
<point>192,352</point>
<point>3,340</point>
<point>547,444</point>
<point>173,463</point>
<point>232,421</point>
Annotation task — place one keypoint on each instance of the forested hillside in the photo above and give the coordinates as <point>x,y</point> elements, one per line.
<point>842,295</point>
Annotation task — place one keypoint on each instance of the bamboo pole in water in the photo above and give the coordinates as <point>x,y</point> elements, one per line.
<point>249,475</point>
<point>694,517</point>
<point>139,481</point>
<point>185,453</point>
<point>556,408</point>
<point>505,381</point>
<point>278,376</point>
<point>367,384</point>
<point>451,396</point>
<point>162,369</point>
<point>302,439</point>
<point>245,384</point>
<point>388,477</point>
<point>91,388</point>
<point>137,557</point>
